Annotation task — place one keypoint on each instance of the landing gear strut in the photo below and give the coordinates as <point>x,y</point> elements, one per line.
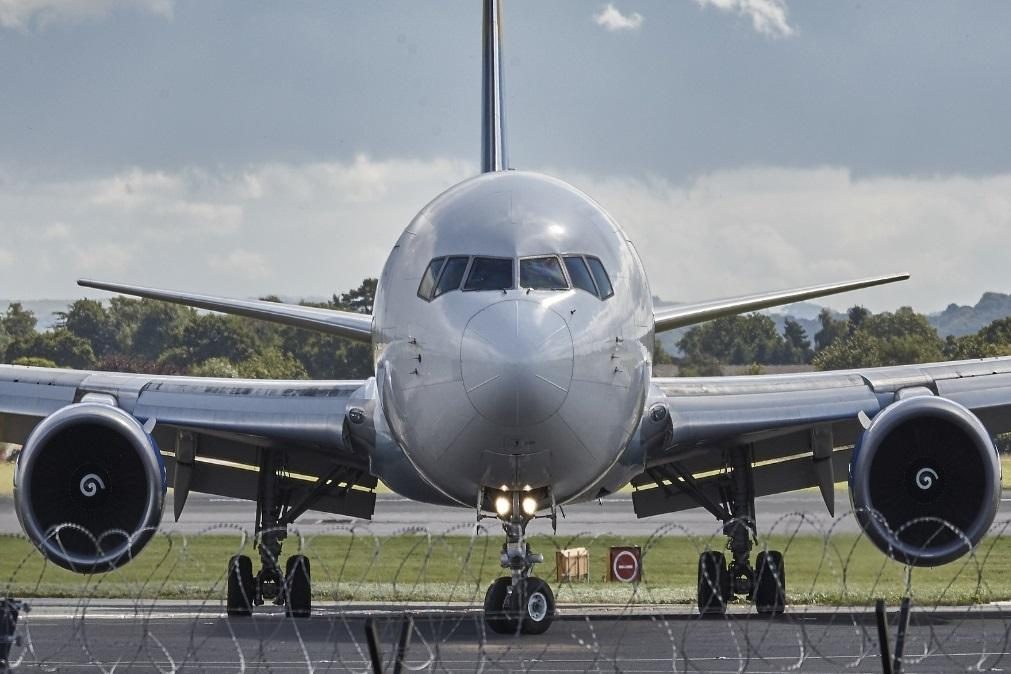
<point>292,588</point>
<point>719,580</point>
<point>518,603</point>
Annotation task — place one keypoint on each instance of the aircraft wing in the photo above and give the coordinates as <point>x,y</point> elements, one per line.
<point>801,427</point>
<point>211,431</point>
<point>683,315</point>
<point>341,323</point>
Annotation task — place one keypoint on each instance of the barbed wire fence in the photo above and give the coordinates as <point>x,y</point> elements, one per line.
<point>413,602</point>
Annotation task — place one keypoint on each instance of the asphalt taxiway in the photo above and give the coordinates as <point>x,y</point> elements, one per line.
<point>182,636</point>
<point>781,512</point>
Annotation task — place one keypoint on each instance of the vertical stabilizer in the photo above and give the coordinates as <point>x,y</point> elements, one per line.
<point>493,150</point>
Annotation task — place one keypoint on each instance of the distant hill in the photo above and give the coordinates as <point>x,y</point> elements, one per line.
<point>964,320</point>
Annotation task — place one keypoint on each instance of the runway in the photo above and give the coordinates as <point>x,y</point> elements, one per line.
<point>164,635</point>
<point>613,516</point>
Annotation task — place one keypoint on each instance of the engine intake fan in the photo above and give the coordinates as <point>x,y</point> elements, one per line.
<point>89,487</point>
<point>925,481</point>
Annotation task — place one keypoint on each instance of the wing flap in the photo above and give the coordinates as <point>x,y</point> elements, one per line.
<point>672,495</point>
<point>340,497</point>
<point>341,323</point>
<point>690,314</point>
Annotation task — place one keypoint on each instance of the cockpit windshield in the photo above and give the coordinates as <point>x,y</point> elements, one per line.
<point>546,272</point>
<point>451,275</point>
<point>490,273</point>
<point>542,273</point>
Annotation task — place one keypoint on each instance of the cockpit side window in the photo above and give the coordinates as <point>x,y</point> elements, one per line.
<point>452,274</point>
<point>490,273</point>
<point>579,274</point>
<point>428,280</point>
<point>542,273</point>
<point>600,276</point>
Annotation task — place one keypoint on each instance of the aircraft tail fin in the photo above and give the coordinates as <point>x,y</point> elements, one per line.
<point>493,148</point>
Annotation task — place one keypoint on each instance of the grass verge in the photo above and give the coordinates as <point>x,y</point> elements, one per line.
<point>844,570</point>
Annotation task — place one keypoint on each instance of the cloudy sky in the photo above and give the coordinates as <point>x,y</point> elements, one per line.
<point>245,148</point>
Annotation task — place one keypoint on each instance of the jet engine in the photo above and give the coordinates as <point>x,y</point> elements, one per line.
<point>89,487</point>
<point>925,480</point>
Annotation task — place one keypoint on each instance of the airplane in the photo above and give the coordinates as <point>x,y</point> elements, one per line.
<point>512,336</point>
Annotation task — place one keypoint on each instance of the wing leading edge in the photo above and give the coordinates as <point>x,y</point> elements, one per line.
<point>341,323</point>
<point>691,314</point>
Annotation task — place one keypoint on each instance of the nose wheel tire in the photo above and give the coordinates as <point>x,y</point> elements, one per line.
<point>298,588</point>
<point>770,583</point>
<point>497,615</point>
<point>241,586</point>
<point>528,609</point>
<point>714,583</point>
<point>538,606</point>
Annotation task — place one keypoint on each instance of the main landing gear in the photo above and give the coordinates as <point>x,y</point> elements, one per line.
<point>518,603</point>
<point>291,588</point>
<point>720,579</point>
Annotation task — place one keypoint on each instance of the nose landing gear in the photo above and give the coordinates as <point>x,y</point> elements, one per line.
<point>518,603</point>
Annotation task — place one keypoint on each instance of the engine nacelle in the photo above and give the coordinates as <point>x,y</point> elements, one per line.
<point>89,487</point>
<point>925,460</point>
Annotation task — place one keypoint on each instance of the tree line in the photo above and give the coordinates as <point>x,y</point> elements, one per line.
<point>137,335</point>
<point>861,339</point>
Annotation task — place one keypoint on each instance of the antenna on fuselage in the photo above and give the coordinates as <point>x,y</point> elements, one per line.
<point>493,150</point>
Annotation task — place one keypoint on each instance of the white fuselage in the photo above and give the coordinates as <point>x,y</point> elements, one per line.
<point>516,388</point>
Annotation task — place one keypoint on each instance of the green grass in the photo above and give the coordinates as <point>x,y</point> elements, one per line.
<point>845,571</point>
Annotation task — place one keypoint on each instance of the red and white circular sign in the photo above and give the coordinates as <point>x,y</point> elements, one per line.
<point>625,567</point>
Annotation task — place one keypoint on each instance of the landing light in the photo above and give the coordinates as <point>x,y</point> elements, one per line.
<point>530,505</point>
<point>502,506</point>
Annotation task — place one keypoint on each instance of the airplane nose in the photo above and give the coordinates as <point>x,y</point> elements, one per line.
<point>517,362</point>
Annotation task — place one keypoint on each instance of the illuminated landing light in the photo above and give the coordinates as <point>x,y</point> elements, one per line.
<point>503,505</point>
<point>530,505</point>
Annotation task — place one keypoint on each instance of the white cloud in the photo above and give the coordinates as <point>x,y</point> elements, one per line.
<point>768,17</point>
<point>22,14</point>
<point>292,229</point>
<point>749,230</point>
<point>611,18</point>
<point>316,228</point>
<point>245,264</point>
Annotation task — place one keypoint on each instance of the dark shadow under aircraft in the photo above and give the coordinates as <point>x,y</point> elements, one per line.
<point>512,337</point>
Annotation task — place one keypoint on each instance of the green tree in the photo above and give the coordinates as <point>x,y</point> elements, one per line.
<point>856,315</point>
<point>797,343</point>
<point>33,361</point>
<point>897,338</point>
<point>19,323</point>
<point>5,341</point>
<point>737,340</point>
<point>148,327</point>
<point>214,336</point>
<point>831,330</point>
<point>272,364</point>
<point>89,320</point>
<point>215,367</point>
<point>660,355</point>
<point>360,299</point>
<point>853,351</point>
<point>60,346</point>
